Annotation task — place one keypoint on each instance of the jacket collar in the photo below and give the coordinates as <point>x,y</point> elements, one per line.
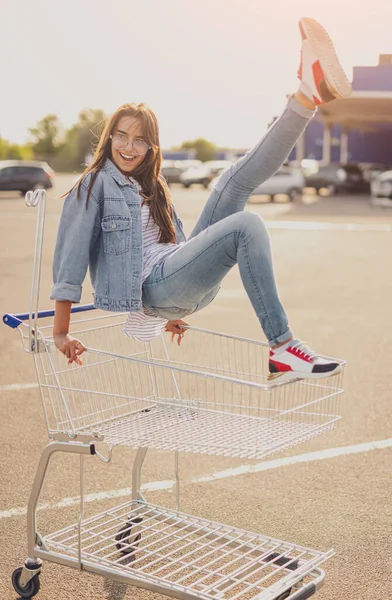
<point>121,179</point>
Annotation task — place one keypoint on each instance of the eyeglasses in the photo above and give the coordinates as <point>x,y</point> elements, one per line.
<point>120,142</point>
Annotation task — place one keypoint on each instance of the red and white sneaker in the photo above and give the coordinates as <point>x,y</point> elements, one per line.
<point>295,360</point>
<point>320,72</point>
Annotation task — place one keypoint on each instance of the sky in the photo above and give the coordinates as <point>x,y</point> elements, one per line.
<point>218,69</point>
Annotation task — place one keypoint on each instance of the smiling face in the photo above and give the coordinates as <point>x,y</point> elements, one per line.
<point>128,129</point>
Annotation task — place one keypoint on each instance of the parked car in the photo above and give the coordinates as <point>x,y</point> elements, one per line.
<point>288,180</point>
<point>381,189</point>
<point>372,170</point>
<point>217,166</point>
<point>22,176</point>
<point>172,169</point>
<point>205,173</point>
<point>338,178</point>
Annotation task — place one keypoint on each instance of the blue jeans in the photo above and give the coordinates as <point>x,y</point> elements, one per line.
<point>189,279</point>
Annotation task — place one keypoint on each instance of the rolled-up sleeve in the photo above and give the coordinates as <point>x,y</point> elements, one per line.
<point>78,230</point>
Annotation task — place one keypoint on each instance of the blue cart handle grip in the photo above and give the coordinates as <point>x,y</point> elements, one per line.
<point>15,320</point>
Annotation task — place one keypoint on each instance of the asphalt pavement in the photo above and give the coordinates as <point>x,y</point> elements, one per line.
<point>332,260</point>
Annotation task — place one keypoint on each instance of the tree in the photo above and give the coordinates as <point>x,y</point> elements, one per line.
<point>81,139</point>
<point>10,151</point>
<point>205,150</point>
<point>46,137</point>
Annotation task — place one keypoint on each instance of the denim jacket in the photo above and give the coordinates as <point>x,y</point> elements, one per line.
<point>105,236</point>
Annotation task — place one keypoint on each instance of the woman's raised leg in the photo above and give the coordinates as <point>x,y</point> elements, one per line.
<point>225,235</point>
<point>322,79</point>
<point>237,183</point>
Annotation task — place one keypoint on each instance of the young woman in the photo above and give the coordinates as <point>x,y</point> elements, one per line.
<point>120,222</point>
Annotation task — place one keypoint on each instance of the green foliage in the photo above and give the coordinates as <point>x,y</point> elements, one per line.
<point>81,139</point>
<point>204,149</point>
<point>45,138</point>
<point>10,151</point>
<point>68,151</point>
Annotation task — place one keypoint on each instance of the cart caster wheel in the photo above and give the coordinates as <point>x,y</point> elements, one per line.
<point>124,538</point>
<point>30,589</point>
<point>285,594</point>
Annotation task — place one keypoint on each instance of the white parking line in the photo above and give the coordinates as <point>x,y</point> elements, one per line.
<point>11,387</point>
<point>256,468</point>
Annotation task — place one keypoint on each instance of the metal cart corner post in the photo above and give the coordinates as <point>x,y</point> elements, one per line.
<point>210,396</point>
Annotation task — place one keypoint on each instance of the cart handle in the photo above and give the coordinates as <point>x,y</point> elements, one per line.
<point>15,320</point>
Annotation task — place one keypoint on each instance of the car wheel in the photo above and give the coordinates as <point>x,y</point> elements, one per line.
<point>293,194</point>
<point>332,190</point>
<point>39,186</point>
<point>186,185</point>
<point>206,183</point>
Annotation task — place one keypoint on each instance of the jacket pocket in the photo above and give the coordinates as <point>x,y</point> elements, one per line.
<point>116,234</point>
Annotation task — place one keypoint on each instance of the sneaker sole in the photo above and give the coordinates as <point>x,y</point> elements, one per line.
<point>295,375</point>
<point>323,47</point>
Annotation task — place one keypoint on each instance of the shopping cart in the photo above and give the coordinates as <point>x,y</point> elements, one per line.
<point>212,396</point>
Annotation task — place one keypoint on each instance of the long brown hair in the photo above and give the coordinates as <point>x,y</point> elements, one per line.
<point>147,174</point>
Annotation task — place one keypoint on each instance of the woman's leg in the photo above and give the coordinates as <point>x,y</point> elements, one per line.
<point>225,235</point>
<point>322,79</point>
<point>236,185</point>
<point>177,286</point>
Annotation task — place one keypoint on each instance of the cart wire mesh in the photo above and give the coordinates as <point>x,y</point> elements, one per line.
<point>187,553</point>
<point>210,395</point>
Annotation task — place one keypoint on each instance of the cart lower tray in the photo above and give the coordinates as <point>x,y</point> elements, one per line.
<point>170,427</point>
<point>185,556</point>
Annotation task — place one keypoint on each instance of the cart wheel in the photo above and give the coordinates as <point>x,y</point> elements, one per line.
<point>124,537</point>
<point>285,594</point>
<point>29,590</point>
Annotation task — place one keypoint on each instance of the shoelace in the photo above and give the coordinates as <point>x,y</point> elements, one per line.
<point>303,349</point>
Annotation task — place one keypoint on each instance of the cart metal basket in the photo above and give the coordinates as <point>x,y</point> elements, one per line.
<point>211,395</point>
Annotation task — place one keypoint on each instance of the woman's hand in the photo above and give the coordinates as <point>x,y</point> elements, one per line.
<point>69,346</point>
<point>177,328</point>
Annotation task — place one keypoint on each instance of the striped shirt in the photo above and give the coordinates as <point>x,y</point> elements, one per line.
<point>142,325</point>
